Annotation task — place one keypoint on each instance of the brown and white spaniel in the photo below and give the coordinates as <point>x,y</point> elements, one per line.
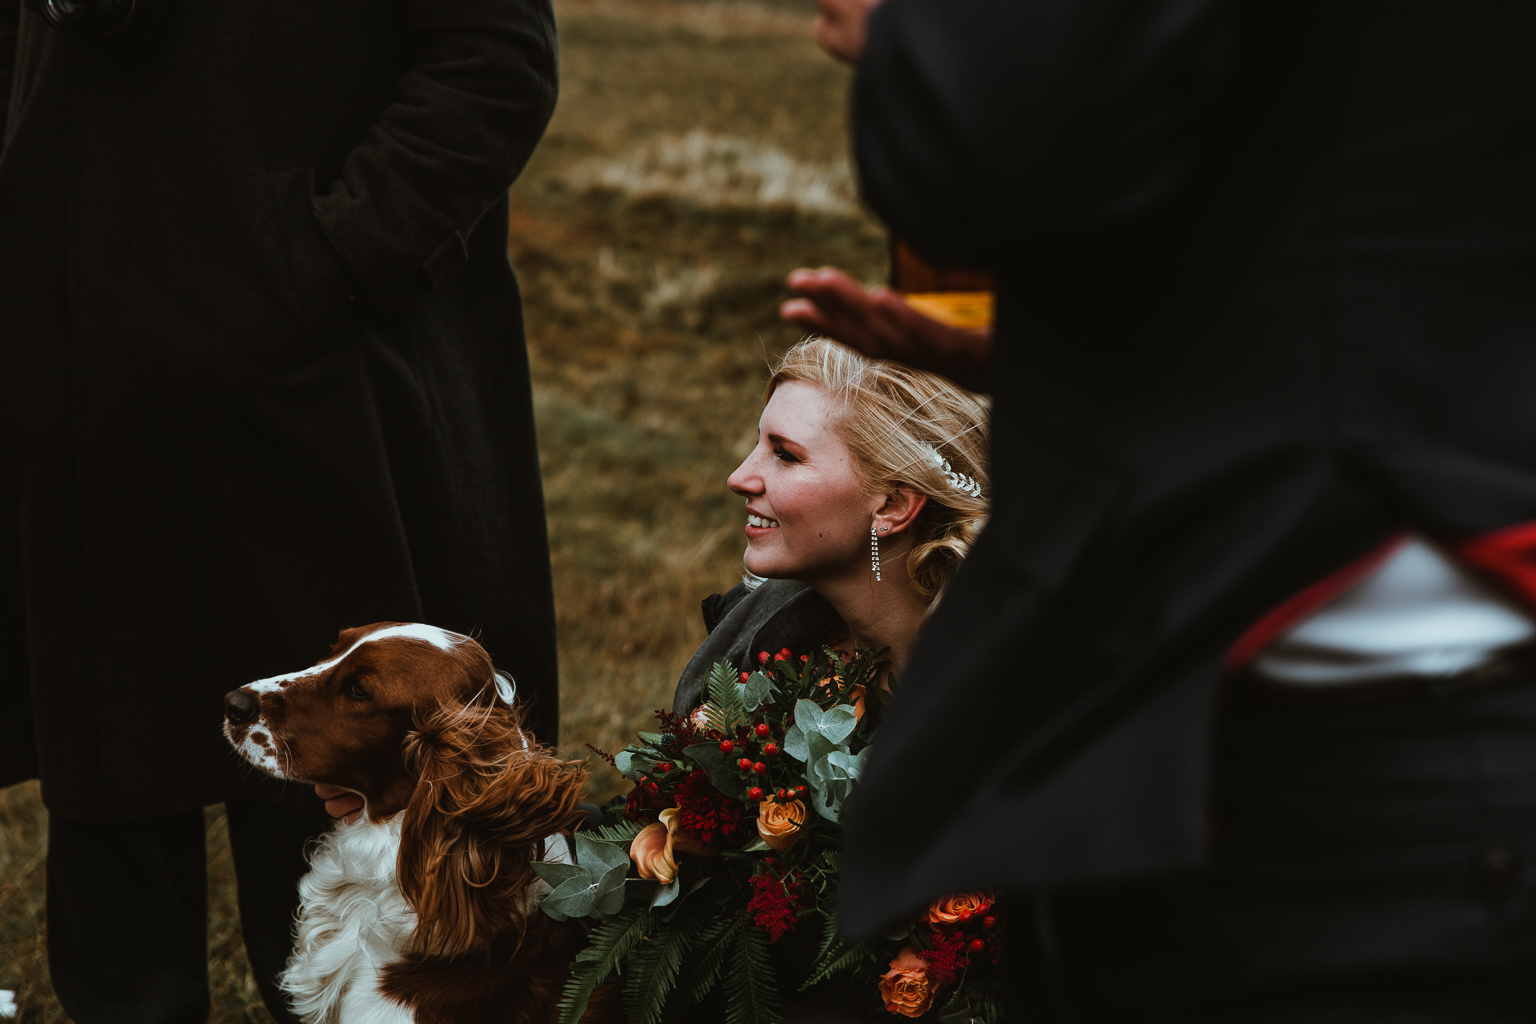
<point>425,908</point>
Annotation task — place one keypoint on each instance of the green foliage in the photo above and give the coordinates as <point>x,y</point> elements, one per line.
<point>623,833</point>
<point>607,946</point>
<point>701,968</point>
<point>592,887</point>
<point>751,990</point>
<point>838,958</point>
<point>654,967</point>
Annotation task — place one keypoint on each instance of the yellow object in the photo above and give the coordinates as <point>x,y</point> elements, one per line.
<point>968,310</point>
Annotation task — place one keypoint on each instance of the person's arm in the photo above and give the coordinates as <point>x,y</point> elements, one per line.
<point>10,17</point>
<point>469,110</point>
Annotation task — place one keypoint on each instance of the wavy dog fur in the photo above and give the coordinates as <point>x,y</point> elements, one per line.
<point>424,910</point>
<point>484,801</point>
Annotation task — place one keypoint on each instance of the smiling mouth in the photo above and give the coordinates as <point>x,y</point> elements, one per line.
<point>759,521</point>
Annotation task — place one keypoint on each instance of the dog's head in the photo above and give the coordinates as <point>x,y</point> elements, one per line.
<point>415,718</point>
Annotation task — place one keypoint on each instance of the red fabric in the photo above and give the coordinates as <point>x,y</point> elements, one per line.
<point>1303,603</point>
<point>1509,555</point>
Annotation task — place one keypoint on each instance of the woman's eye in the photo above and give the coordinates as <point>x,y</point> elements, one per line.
<point>784,456</point>
<point>354,689</point>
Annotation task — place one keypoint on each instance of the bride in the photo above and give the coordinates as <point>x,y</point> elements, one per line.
<point>863,494</point>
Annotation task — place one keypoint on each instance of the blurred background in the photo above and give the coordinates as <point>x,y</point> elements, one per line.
<point>698,154</point>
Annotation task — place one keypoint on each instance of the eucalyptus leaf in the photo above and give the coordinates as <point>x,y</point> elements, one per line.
<point>558,874</point>
<point>667,893</point>
<point>572,898</point>
<point>757,691</point>
<point>756,846</point>
<point>590,853</point>
<point>837,723</point>
<point>808,715</point>
<point>608,894</point>
<point>653,738</point>
<point>794,743</point>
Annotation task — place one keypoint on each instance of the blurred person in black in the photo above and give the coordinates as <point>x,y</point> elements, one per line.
<point>264,378</point>
<point>1242,666</point>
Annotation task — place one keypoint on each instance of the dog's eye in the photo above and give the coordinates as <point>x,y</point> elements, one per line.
<point>354,688</point>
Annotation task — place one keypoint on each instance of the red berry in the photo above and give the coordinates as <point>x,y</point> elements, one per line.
<point>745,764</point>
<point>781,656</point>
<point>965,915</point>
<point>726,746</point>
<point>989,921</point>
<point>977,945</point>
<point>760,768</point>
<point>762,657</point>
<point>769,749</point>
<point>800,790</point>
<point>770,861</point>
<point>786,652</point>
<point>805,657</point>
<point>761,729</point>
<point>744,677</point>
<point>663,767</point>
<point>754,794</point>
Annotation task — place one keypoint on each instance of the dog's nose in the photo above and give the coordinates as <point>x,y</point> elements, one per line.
<point>241,706</point>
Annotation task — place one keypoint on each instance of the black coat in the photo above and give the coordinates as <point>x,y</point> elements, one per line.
<point>1266,293</point>
<point>264,369</point>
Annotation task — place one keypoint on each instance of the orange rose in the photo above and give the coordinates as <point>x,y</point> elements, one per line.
<point>960,906</point>
<point>904,989</point>
<point>655,849</point>
<point>780,824</point>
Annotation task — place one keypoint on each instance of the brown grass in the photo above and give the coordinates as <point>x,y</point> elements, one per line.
<point>698,154</point>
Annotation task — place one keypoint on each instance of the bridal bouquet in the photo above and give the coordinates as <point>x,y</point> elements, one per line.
<point>729,844</point>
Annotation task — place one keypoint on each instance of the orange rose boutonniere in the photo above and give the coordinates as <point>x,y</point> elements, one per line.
<point>960,907</point>
<point>904,989</point>
<point>779,825</point>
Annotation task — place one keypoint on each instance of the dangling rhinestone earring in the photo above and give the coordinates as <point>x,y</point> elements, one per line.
<point>874,553</point>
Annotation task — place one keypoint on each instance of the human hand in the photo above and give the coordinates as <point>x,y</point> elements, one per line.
<point>340,803</point>
<point>878,323</point>
<point>840,27</point>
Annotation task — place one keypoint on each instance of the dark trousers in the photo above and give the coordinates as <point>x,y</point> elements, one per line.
<point>128,908</point>
<point>1373,862</point>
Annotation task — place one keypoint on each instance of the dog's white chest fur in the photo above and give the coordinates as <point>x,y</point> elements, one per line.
<point>352,921</point>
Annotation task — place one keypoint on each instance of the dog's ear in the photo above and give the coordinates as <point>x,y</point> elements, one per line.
<point>485,796</point>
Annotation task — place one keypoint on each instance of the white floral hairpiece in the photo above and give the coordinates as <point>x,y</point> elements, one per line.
<point>959,481</point>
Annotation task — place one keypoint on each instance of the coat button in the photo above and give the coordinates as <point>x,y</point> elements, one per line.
<point>1498,870</point>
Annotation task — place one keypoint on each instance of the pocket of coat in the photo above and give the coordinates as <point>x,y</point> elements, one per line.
<point>321,287</point>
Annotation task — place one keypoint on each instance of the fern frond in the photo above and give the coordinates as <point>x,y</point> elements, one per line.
<point>751,990</point>
<point>838,959</point>
<point>623,832</point>
<point>657,965</point>
<point>702,966</point>
<point>607,946</point>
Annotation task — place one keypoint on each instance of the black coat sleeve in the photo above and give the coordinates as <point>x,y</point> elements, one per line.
<point>468,112</point>
<point>984,125</point>
<point>10,15</point>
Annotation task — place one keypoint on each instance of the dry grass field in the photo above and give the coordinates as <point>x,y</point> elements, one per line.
<point>698,154</point>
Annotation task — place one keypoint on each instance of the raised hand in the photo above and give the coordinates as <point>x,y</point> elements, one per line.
<point>880,324</point>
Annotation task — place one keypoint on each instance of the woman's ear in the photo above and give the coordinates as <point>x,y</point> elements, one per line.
<point>901,507</point>
<point>483,801</point>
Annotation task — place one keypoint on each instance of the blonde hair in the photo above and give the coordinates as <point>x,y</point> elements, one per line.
<point>893,420</point>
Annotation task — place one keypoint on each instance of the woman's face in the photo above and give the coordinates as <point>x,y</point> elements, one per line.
<point>807,518</point>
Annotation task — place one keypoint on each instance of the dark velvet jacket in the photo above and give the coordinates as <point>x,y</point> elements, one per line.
<point>1266,293</point>
<point>264,368</point>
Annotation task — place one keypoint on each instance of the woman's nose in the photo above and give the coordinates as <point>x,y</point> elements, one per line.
<point>746,481</point>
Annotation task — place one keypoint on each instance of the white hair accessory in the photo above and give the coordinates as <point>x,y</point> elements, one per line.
<point>506,687</point>
<point>959,481</point>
